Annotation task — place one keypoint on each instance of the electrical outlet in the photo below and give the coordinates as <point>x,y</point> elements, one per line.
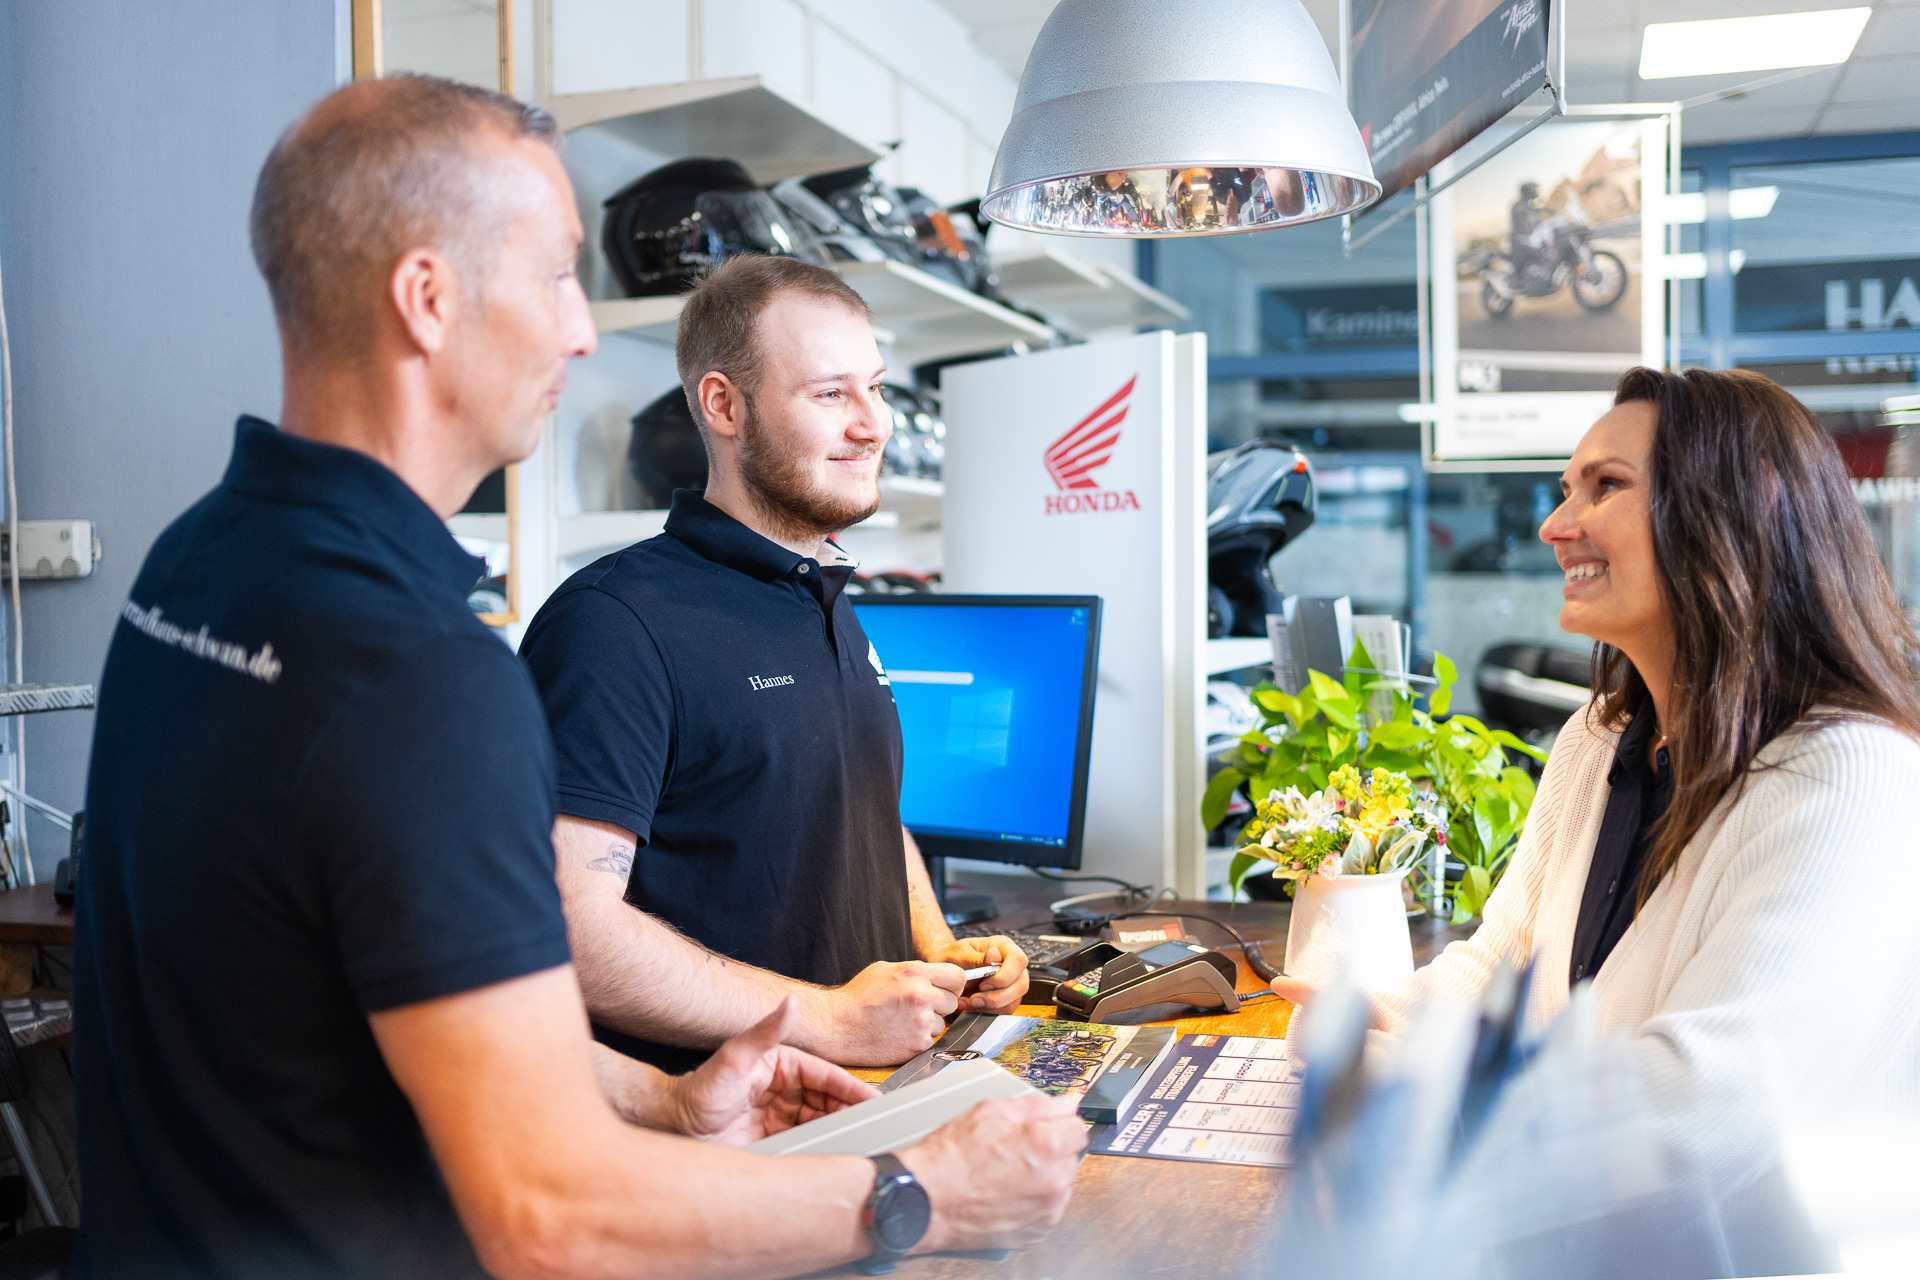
<point>52,549</point>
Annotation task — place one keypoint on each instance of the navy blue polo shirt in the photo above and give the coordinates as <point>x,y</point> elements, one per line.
<point>320,789</point>
<point>713,693</point>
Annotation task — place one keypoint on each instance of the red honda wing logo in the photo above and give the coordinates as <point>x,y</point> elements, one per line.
<point>1072,458</point>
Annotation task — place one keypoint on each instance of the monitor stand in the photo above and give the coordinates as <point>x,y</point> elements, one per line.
<point>959,906</point>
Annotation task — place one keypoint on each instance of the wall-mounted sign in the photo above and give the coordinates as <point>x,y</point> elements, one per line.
<point>1830,296</point>
<point>1375,315</point>
<point>1427,76</point>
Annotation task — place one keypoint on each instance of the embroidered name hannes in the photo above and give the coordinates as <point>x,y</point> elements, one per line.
<point>768,682</point>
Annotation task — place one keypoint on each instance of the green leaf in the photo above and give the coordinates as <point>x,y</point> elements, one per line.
<point>1482,886</point>
<point>1324,686</point>
<point>1342,713</point>
<point>1396,734</point>
<point>1237,870</point>
<point>1506,739</point>
<point>1394,761</point>
<point>1285,703</point>
<point>1355,681</point>
<point>1318,773</point>
<point>1340,743</point>
<point>1442,696</point>
<point>1220,789</point>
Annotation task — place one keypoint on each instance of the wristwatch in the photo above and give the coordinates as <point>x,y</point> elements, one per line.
<point>896,1216</point>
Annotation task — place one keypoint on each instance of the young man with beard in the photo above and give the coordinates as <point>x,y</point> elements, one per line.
<point>728,752</point>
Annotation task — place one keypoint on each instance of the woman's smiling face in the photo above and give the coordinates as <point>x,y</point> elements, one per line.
<point>1602,535</point>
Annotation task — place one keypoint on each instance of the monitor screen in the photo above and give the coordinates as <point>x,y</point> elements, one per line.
<point>995,695</point>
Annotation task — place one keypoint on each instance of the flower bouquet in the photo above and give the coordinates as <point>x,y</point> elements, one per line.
<point>1352,826</point>
<point>1346,849</point>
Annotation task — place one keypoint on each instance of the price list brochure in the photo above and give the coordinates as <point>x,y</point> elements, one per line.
<point>1214,1099</point>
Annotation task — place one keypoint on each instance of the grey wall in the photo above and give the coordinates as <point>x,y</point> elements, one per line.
<point>130,134</point>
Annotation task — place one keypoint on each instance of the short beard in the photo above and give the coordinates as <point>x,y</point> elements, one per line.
<point>777,482</point>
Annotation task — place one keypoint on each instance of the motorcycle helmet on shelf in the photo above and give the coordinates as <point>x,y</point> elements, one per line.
<point>665,451</point>
<point>871,206</point>
<point>918,446</point>
<point>951,244</point>
<point>667,228</point>
<point>843,241</point>
<point>1260,497</point>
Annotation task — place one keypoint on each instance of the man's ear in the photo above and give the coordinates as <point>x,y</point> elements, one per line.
<point>721,404</point>
<point>425,292</point>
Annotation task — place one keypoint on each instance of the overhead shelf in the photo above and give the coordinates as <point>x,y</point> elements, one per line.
<point>931,318</point>
<point>1233,653</point>
<point>653,319</point>
<point>607,530</point>
<point>910,502</point>
<point>914,502</point>
<point>740,118</point>
<point>658,319</point>
<point>481,525</point>
<point>1083,296</point>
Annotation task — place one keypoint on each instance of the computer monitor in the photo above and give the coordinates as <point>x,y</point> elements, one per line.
<point>995,695</point>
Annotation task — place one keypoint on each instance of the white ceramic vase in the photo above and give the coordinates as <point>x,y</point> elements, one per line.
<point>1349,927</point>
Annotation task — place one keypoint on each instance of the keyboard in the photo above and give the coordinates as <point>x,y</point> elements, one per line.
<point>1040,947</point>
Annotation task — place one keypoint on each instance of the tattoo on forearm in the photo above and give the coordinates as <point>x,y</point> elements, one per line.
<point>618,859</point>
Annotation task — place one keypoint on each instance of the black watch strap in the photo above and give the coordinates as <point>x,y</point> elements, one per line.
<point>896,1216</point>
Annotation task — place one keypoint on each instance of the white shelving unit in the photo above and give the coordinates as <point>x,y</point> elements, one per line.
<point>741,118</point>
<point>1083,296</point>
<point>905,503</point>
<point>651,319</point>
<point>931,318</point>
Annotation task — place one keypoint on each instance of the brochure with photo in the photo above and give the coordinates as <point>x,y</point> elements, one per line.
<point>1103,1065</point>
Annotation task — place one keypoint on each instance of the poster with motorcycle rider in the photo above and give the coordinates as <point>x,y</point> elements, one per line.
<point>1546,286</point>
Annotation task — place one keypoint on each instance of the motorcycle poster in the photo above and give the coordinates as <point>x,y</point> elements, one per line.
<point>1547,285</point>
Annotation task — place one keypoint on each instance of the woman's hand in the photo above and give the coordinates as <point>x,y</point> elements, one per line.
<point>755,1086</point>
<point>1293,991</point>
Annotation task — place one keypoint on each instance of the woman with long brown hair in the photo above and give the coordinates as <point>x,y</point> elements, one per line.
<point>1724,839</point>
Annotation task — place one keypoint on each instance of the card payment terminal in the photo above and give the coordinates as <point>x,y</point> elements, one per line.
<point>1175,972</point>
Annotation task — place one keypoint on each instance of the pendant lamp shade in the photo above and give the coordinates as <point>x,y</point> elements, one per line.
<point>1178,118</point>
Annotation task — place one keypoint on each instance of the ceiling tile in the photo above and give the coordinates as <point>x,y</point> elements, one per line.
<point>1879,80</point>
<point>1610,51</point>
<point>1721,123</point>
<point>1809,90</point>
<point>1890,31</point>
<point>1879,117</point>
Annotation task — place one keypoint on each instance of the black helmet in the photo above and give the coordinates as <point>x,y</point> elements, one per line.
<point>872,207</point>
<point>950,244</point>
<point>666,229</point>
<point>666,452</point>
<point>1259,498</point>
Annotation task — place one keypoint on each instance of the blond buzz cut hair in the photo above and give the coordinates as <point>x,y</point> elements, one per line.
<point>719,326</point>
<point>378,169</point>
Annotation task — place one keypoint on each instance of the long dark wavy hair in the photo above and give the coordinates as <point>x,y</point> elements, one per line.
<point>1781,610</point>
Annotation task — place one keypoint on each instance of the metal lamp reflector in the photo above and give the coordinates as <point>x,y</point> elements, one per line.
<point>1193,118</point>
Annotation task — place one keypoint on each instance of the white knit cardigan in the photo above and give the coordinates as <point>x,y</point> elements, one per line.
<point>1778,962</point>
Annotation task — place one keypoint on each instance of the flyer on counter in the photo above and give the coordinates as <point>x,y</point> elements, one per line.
<point>1055,1057</point>
<point>1217,1099</point>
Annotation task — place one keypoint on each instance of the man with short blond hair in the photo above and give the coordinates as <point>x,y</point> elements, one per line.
<point>726,744</point>
<point>325,1020</point>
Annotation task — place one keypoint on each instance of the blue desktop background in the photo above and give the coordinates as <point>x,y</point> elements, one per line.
<point>992,759</point>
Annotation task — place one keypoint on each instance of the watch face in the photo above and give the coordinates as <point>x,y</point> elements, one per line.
<point>901,1216</point>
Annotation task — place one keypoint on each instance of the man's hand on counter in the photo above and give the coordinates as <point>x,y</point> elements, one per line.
<point>756,1085</point>
<point>998,992</point>
<point>970,1167</point>
<point>888,1013</point>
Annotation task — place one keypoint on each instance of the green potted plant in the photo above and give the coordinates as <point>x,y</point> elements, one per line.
<point>1370,721</point>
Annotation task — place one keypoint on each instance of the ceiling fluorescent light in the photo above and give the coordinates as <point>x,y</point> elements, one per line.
<point>1771,42</point>
<point>1742,202</point>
